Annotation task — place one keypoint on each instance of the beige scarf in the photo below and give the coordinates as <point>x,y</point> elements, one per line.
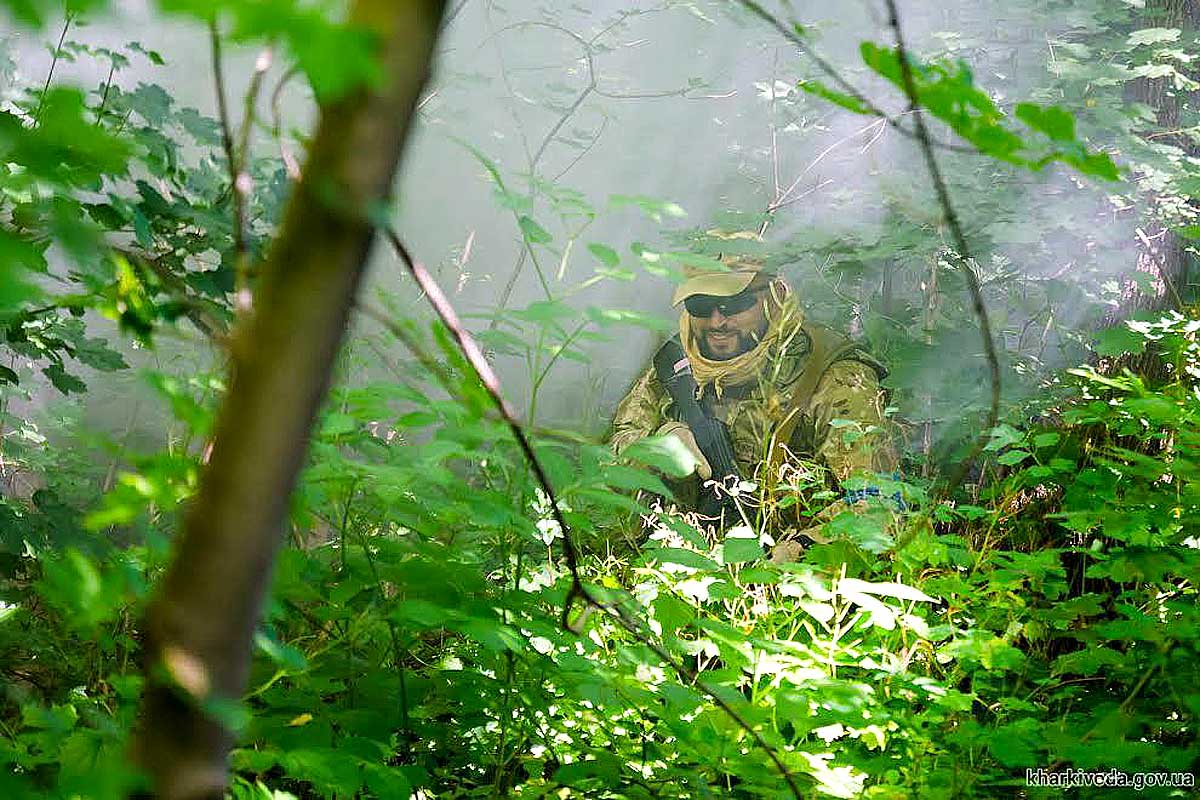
<point>784,318</point>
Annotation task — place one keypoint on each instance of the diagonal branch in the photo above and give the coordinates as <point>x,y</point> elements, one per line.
<point>231,161</point>
<point>578,590</point>
<point>842,83</point>
<point>960,245</point>
<point>925,141</point>
<point>470,350</point>
<point>199,628</point>
<point>37,115</point>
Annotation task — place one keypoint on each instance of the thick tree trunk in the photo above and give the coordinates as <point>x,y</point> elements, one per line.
<point>200,626</point>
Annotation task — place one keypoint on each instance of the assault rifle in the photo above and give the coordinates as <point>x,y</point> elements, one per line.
<point>712,436</point>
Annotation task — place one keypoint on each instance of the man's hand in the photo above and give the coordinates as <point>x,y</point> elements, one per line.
<point>791,548</point>
<point>684,434</point>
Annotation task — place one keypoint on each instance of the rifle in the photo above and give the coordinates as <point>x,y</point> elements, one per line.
<point>712,436</point>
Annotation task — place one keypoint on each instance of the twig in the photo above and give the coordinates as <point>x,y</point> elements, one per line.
<point>491,382</point>
<point>104,97</point>
<point>960,244</point>
<point>241,301</point>
<point>843,84</point>
<point>587,47</point>
<point>583,152</point>
<point>430,364</point>
<point>783,198</point>
<point>261,65</point>
<point>776,206</point>
<point>570,112</point>
<point>643,95</point>
<point>243,183</point>
<point>37,115</point>
<point>289,161</point>
<point>577,591</point>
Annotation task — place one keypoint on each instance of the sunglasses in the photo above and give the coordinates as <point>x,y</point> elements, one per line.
<point>702,306</point>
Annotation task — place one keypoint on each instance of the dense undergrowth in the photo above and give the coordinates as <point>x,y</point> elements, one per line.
<point>413,638</point>
<point>1043,617</point>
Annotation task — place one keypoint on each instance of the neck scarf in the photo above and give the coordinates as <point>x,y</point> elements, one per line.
<point>784,318</point>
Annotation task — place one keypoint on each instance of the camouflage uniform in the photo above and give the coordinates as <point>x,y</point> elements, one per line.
<point>845,388</point>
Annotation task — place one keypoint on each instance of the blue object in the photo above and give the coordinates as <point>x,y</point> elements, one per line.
<point>854,495</point>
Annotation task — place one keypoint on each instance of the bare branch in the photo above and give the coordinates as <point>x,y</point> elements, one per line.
<point>231,160</point>
<point>37,115</point>
<point>577,591</point>
<point>960,245</point>
<point>841,82</point>
<point>289,161</point>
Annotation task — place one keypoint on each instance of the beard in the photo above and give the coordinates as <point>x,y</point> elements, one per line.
<point>730,347</point>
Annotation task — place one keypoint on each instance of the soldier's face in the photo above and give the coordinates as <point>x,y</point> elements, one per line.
<point>722,336</point>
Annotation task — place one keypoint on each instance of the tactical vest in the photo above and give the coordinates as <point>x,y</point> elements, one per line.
<point>821,349</point>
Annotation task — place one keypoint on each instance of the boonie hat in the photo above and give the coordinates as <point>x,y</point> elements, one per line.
<point>696,280</point>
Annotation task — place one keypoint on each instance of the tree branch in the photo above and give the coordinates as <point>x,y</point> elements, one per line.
<point>848,88</point>
<point>960,244</point>
<point>231,161</point>
<point>37,115</point>
<point>577,591</point>
<point>199,627</point>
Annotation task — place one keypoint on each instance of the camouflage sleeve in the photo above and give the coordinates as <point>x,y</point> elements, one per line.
<point>849,391</point>
<point>640,413</point>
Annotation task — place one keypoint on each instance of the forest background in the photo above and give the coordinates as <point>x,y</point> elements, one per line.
<point>446,621</point>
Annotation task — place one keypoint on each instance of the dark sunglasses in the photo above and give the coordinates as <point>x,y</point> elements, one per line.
<point>702,306</point>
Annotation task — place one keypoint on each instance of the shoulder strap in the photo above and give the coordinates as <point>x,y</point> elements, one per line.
<point>826,348</point>
<point>675,374</point>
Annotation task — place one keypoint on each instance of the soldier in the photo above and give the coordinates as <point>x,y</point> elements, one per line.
<point>751,384</point>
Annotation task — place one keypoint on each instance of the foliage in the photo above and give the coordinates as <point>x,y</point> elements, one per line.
<point>1047,617</point>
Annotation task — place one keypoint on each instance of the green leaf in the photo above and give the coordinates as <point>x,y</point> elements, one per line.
<point>64,381</point>
<point>151,102</point>
<point>1053,121</point>
<point>284,655</point>
<point>1088,661</point>
<point>1012,457</point>
<point>619,476</point>
<point>738,550</point>
<point>605,317</point>
<point>685,558</point>
<point>605,254</point>
<point>1046,439</point>
<point>18,255</point>
<point>652,207</point>
<point>336,424</point>
<point>850,102</point>
<point>665,453</point>
<point>867,530</point>
<point>672,614</point>
<point>386,781</point>
<point>1118,340</point>
<point>545,311</point>
<point>534,233</point>
<point>327,769</point>
<point>33,13</point>
<point>96,353</point>
<point>1016,745</point>
<point>1003,436</point>
<point>141,230</point>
